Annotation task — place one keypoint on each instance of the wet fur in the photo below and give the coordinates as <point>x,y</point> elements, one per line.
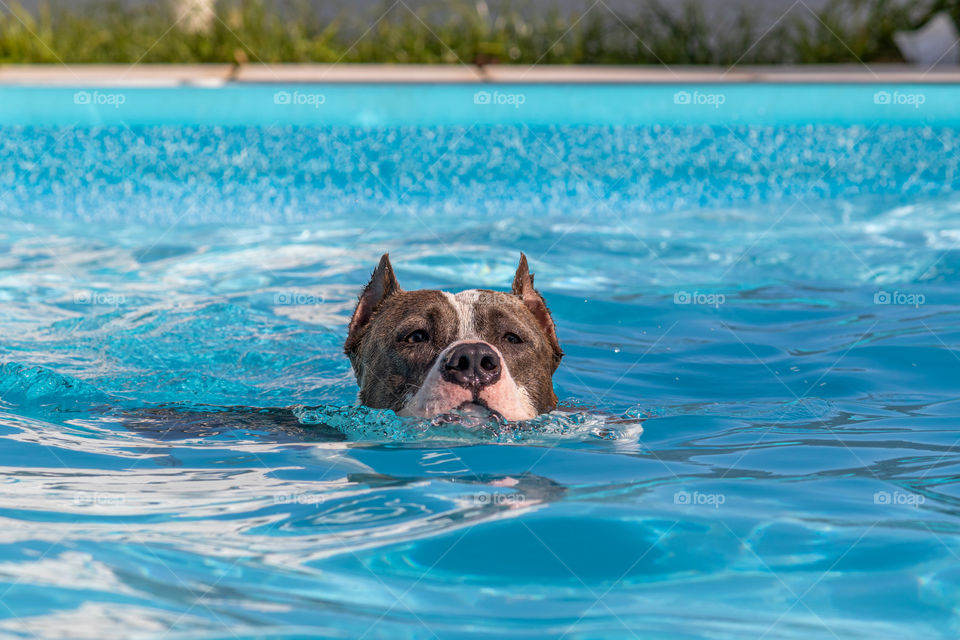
<point>395,375</point>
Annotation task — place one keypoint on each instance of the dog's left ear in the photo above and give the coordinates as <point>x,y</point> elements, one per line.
<point>382,285</point>
<point>523,287</point>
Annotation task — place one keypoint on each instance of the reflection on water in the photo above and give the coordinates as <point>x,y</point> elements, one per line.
<point>246,521</point>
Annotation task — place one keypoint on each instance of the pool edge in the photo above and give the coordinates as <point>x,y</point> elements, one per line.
<point>215,75</point>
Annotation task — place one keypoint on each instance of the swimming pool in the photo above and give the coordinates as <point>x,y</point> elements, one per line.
<point>766,275</point>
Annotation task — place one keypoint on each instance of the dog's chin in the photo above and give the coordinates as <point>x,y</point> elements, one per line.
<point>478,408</point>
<point>467,412</point>
<point>444,399</point>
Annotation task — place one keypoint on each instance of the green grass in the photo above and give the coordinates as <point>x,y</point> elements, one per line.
<point>109,31</point>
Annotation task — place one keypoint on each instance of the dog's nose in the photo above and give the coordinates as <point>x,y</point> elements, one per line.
<point>473,365</point>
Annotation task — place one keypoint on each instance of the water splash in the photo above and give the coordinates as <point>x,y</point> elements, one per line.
<point>365,424</point>
<point>40,388</point>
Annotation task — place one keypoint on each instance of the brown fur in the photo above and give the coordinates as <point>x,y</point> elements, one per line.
<point>390,370</point>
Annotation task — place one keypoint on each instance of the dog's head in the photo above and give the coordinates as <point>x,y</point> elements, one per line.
<point>426,352</point>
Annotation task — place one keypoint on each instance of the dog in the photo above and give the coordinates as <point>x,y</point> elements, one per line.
<point>426,353</point>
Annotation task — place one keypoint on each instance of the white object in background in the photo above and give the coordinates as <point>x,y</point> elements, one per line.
<point>933,43</point>
<point>193,16</point>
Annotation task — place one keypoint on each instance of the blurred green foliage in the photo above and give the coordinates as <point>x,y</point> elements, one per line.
<point>111,31</point>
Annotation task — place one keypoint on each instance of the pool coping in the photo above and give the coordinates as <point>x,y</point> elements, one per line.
<point>214,75</point>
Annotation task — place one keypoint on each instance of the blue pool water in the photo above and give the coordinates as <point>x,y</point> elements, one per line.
<point>768,282</point>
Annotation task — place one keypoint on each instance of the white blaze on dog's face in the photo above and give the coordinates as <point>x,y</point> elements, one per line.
<point>424,353</point>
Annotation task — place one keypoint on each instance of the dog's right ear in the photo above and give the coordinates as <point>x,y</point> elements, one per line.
<point>382,285</point>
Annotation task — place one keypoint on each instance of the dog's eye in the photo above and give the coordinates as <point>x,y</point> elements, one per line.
<point>416,336</point>
<point>512,338</point>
